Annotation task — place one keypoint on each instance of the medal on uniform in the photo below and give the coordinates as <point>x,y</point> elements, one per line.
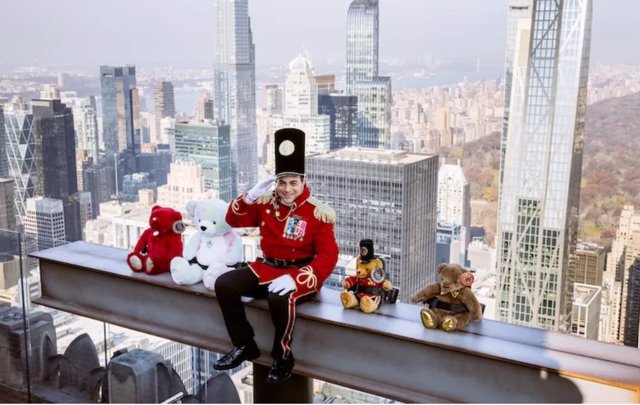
<point>295,228</point>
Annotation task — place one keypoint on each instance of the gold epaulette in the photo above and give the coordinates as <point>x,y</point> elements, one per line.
<point>322,212</point>
<point>265,198</point>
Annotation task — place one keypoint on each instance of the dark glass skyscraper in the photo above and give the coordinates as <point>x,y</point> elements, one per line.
<point>632,321</point>
<point>120,110</point>
<point>343,118</point>
<point>55,154</point>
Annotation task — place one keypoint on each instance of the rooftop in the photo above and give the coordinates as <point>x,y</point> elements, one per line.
<point>380,156</point>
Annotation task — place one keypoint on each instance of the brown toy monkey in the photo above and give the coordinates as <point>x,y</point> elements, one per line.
<point>451,302</point>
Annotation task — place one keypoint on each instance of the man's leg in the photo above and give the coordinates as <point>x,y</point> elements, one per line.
<point>230,287</point>
<point>283,316</point>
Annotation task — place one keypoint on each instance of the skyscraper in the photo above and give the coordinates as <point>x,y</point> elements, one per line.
<point>632,321</point>
<point>4,163</point>
<point>21,150</point>
<point>164,103</point>
<point>301,107</point>
<point>386,196</point>
<point>518,10</point>
<point>120,112</point>
<point>374,112</point>
<point>7,205</point>
<point>185,182</point>
<point>585,316</point>
<point>362,41</point>
<point>373,91</point>
<point>454,199</point>
<point>539,198</point>
<point>234,90</point>
<point>55,140</point>
<point>44,220</point>
<point>590,259</point>
<point>343,118</point>
<point>272,99</point>
<point>208,144</point>
<point>85,124</point>
<point>204,107</point>
<point>624,249</point>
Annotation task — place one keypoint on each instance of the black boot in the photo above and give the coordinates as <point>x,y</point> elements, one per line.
<point>281,370</point>
<point>236,356</point>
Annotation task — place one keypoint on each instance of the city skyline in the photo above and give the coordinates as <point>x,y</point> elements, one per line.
<point>146,21</point>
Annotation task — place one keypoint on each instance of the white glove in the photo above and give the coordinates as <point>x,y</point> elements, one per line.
<point>259,189</point>
<point>282,285</point>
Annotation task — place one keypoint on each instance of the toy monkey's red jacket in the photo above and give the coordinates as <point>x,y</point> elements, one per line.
<point>302,231</point>
<point>354,282</point>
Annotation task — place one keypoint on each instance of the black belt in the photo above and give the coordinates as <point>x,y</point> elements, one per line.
<point>272,261</point>
<point>447,306</point>
<point>369,290</point>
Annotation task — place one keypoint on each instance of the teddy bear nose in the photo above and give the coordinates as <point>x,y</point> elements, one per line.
<point>203,228</point>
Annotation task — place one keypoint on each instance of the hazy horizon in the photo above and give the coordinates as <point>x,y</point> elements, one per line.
<point>156,33</point>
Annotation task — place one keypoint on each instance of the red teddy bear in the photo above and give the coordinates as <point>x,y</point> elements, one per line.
<point>158,244</point>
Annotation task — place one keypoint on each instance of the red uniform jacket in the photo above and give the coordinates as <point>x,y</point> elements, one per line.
<point>304,230</point>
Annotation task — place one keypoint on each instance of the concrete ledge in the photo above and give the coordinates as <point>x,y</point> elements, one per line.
<point>389,354</point>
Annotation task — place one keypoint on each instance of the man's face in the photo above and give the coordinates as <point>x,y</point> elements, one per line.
<point>289,188</point>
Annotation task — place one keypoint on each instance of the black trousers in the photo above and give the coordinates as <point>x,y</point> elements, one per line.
<point>231,286</point>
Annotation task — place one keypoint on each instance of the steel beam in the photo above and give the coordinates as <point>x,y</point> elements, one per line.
<point>389,354</point>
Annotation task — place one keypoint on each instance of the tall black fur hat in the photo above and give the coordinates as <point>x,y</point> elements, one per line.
<point>366,250</point>
<point>289,146</point>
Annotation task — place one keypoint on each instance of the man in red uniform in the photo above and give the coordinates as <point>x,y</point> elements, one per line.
<point>300,252</point>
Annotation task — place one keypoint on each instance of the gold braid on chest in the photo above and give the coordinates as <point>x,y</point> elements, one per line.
<point>276,210</point>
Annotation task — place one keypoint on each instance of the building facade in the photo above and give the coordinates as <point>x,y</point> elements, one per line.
<point>301,108</point>
<point>164,102</point>
<point>590,260</point>
<point>45,222</point>
<point>234,94</point>
<point>21,156</point>
<point>120,109</point>
<point>8,215</point>
<point>343,118</point>
<point>632,321</point>
<point>185,182</point>
<point>4,162</point>
<point>585,316</point>
<point>85,124</point>
<point>207,144</point>
<point>540,194</point>
<point>519,10</point>
<point>373,92</point>
<point>386,196</point>
<point>624,249</point>
<point>362,41</point>
<point>54,135</point>
<point>454,199</point>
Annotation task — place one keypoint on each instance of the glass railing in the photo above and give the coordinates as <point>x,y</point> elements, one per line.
<point>55,356</point>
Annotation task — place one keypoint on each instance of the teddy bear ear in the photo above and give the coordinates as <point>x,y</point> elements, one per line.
<point>466,279</point>
<point>441,267</point>
<point>191,207</point>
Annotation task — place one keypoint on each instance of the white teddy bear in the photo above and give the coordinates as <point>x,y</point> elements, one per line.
<point>211,250</point>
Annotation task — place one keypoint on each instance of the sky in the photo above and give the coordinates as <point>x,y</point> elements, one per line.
<point>179,32</point>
